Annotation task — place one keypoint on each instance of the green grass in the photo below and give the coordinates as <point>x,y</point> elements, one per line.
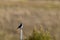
<point>40,35</point>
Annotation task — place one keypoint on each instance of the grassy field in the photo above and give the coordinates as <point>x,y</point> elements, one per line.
<point>31,14</point>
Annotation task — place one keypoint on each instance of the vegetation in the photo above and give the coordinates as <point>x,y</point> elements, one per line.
<point>39,35</point>
<point>31,13</point>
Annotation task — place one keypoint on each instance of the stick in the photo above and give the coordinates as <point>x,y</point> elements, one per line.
<point>21,34</point>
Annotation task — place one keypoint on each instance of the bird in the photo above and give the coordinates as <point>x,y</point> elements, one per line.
<point>20,26</point>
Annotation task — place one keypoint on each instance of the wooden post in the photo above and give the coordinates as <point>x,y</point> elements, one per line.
<point>21,34</point>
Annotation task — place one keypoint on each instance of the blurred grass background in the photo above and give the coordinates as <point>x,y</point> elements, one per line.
<point>31,13</point>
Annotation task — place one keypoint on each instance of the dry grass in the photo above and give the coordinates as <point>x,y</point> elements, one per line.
<point>31,14</point>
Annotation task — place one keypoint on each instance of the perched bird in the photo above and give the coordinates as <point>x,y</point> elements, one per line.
<point>20,26</point>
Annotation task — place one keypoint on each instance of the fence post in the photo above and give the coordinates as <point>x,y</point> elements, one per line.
<point>21,34</point>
